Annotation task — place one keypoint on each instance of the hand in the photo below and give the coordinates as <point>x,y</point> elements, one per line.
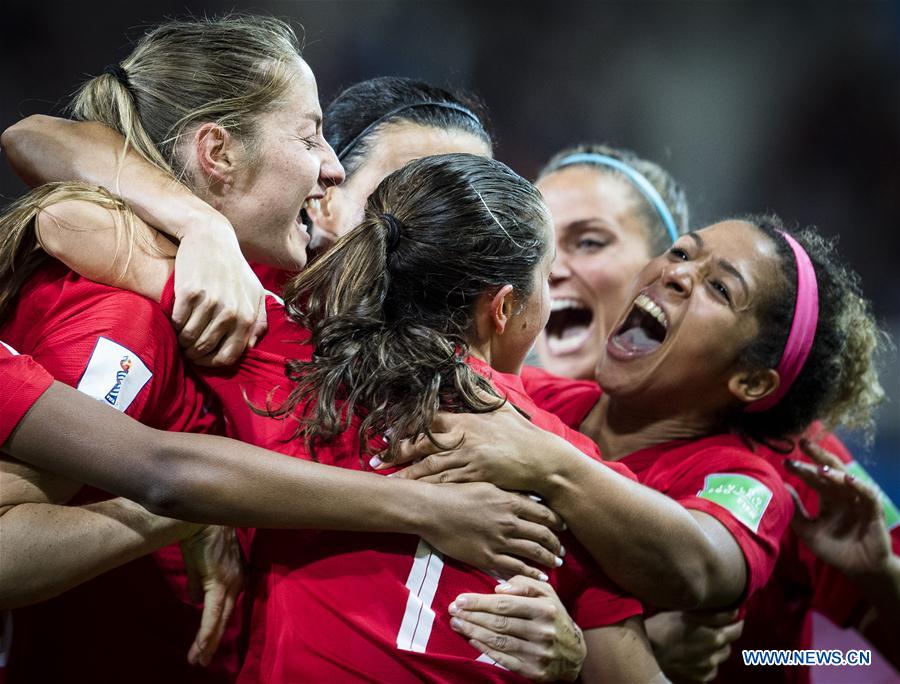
<point>524,627</point>
<point>691,646</point>
<point>219,302</point>
<point>849,533</point>
<point>492,529</point>
<point>519,461</point>
<point>215,573</point>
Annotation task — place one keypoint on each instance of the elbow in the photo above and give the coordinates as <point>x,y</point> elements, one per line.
<point>168,489</point>
<point>13,142</point>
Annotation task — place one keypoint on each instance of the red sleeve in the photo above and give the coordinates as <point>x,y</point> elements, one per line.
<point>121,350</point>
<point>570,400</point>
<point>589,595</point>
<point>23,382</point>
<point>746,495</point>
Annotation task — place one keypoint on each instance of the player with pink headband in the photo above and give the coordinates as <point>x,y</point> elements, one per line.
<point>701,340</point>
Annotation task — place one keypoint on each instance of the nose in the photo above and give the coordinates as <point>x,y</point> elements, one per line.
<point>331,172</point>
<point>560,270</point>
<point>679,278</point>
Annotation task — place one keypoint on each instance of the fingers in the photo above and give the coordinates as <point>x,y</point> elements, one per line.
<point>259,327</point>
<point>510,662</point>
<point>539,513</point>
<point>410,450</point>
<point>194,579</point>
<point>467,606</point>
<point>211,626</point>
<point>494,642</point>
<point>712,619</point>
<point>196,322</point>
<point>509,566</point>
<point>430,468</point>
<point>525,586</point>
<point>536,553</point>
<point>821,456</point>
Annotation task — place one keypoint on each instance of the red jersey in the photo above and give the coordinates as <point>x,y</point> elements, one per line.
<point>718,475</point>
<point>135,623</point>
<point>779,616</point>
<point>333,606</point>
<point>23,382</point>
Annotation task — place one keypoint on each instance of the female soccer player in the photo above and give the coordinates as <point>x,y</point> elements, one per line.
<point>377,126</point>
<point>119,348</point>
<point>603,221</point>
<point>437,194</point>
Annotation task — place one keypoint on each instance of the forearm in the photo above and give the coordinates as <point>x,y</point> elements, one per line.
<point>644,541</point>
<point>44,149</point>
<point>48,549</point>
<point>208,479</point>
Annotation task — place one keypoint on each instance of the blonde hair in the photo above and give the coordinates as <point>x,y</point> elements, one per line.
<point>225,70</point>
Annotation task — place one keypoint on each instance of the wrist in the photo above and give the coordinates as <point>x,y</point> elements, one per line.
<point>886,574</point>
<point>152,525</point>
<point>199,220</point>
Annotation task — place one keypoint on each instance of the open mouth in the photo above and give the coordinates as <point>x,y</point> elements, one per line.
<point>303,219</point>
<point>644,329</point>
<point>570,325</point>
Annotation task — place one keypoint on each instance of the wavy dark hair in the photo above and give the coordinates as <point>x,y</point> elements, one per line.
<point>839,381</point>
<point>665,184</point>
<point>391,306</point>
<point>365,103</point>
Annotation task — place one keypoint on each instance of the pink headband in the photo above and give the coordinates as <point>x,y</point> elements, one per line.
<point>803,328</point>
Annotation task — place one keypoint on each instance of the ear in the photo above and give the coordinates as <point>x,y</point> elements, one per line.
<point>502,305</point>
<point>215,155</point>
<point>749,386</point>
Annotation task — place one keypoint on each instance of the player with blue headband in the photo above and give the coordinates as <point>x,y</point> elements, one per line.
<point>613,211</point>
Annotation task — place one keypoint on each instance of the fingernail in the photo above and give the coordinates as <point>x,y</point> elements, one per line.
<point>564,526</point>
<point>252,342</point>
<point>455,623</point>
<point>506,586</point>
<point>850,478</point>
<point>824,468</point>
<point>543,578</point>
<point>562,551</point>
<point>453,609</point>
<point>374,462</point>
<point>557,561</point>
<point>460,601</point>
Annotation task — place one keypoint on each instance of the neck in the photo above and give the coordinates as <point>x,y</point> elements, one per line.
<point>620,427</point>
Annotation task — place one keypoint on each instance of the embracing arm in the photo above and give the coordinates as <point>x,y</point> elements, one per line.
<point>620,653</point>
<point>49,548</point>
<point>644,541</point>
<point>215,285</point>
<point>203,478</point>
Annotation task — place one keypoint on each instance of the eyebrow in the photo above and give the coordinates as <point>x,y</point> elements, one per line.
<point>724,264</point>
<point>315,117</point>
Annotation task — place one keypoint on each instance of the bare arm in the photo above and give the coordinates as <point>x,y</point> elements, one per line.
<point>216,480</point>
<point>49,548</point>
<point>644,541</point>
<point>620,653</point>
<point>45,149</point>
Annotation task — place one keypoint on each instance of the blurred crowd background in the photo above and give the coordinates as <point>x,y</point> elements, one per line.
<point>753,106</point>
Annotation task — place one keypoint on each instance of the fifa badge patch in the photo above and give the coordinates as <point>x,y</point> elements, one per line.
<point>114,375</point>
<point>744,497</point>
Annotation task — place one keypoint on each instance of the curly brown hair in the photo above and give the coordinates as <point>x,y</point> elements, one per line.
<point>839,382</point>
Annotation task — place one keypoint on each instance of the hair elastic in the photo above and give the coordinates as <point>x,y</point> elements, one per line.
<point>119,73</point>
<point>646,188</point>
<point>424,103</point>
<point>803,328</point>
<point>393,231</point>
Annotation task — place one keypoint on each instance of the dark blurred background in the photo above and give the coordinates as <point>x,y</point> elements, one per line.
<point>753,106</point>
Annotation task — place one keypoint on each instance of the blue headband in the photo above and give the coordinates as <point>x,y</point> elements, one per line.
<point>642,184</point>
<point>402,108</point>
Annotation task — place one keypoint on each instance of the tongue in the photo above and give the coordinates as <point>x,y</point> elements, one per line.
<point>636,339</point>
<point>568,340</point>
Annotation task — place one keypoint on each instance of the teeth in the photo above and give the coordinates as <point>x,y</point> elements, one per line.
<point>310,204</point>
<point>563,304</point>
<point>644,302</point>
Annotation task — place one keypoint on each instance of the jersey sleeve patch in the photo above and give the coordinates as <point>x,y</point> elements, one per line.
<point>741,495</point>
<point>891,514</point>
<point>114,375</point>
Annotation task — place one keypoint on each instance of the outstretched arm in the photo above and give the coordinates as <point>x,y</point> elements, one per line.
<point>43,149</point>
<point>210,479</point>
<point>669,556</point>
